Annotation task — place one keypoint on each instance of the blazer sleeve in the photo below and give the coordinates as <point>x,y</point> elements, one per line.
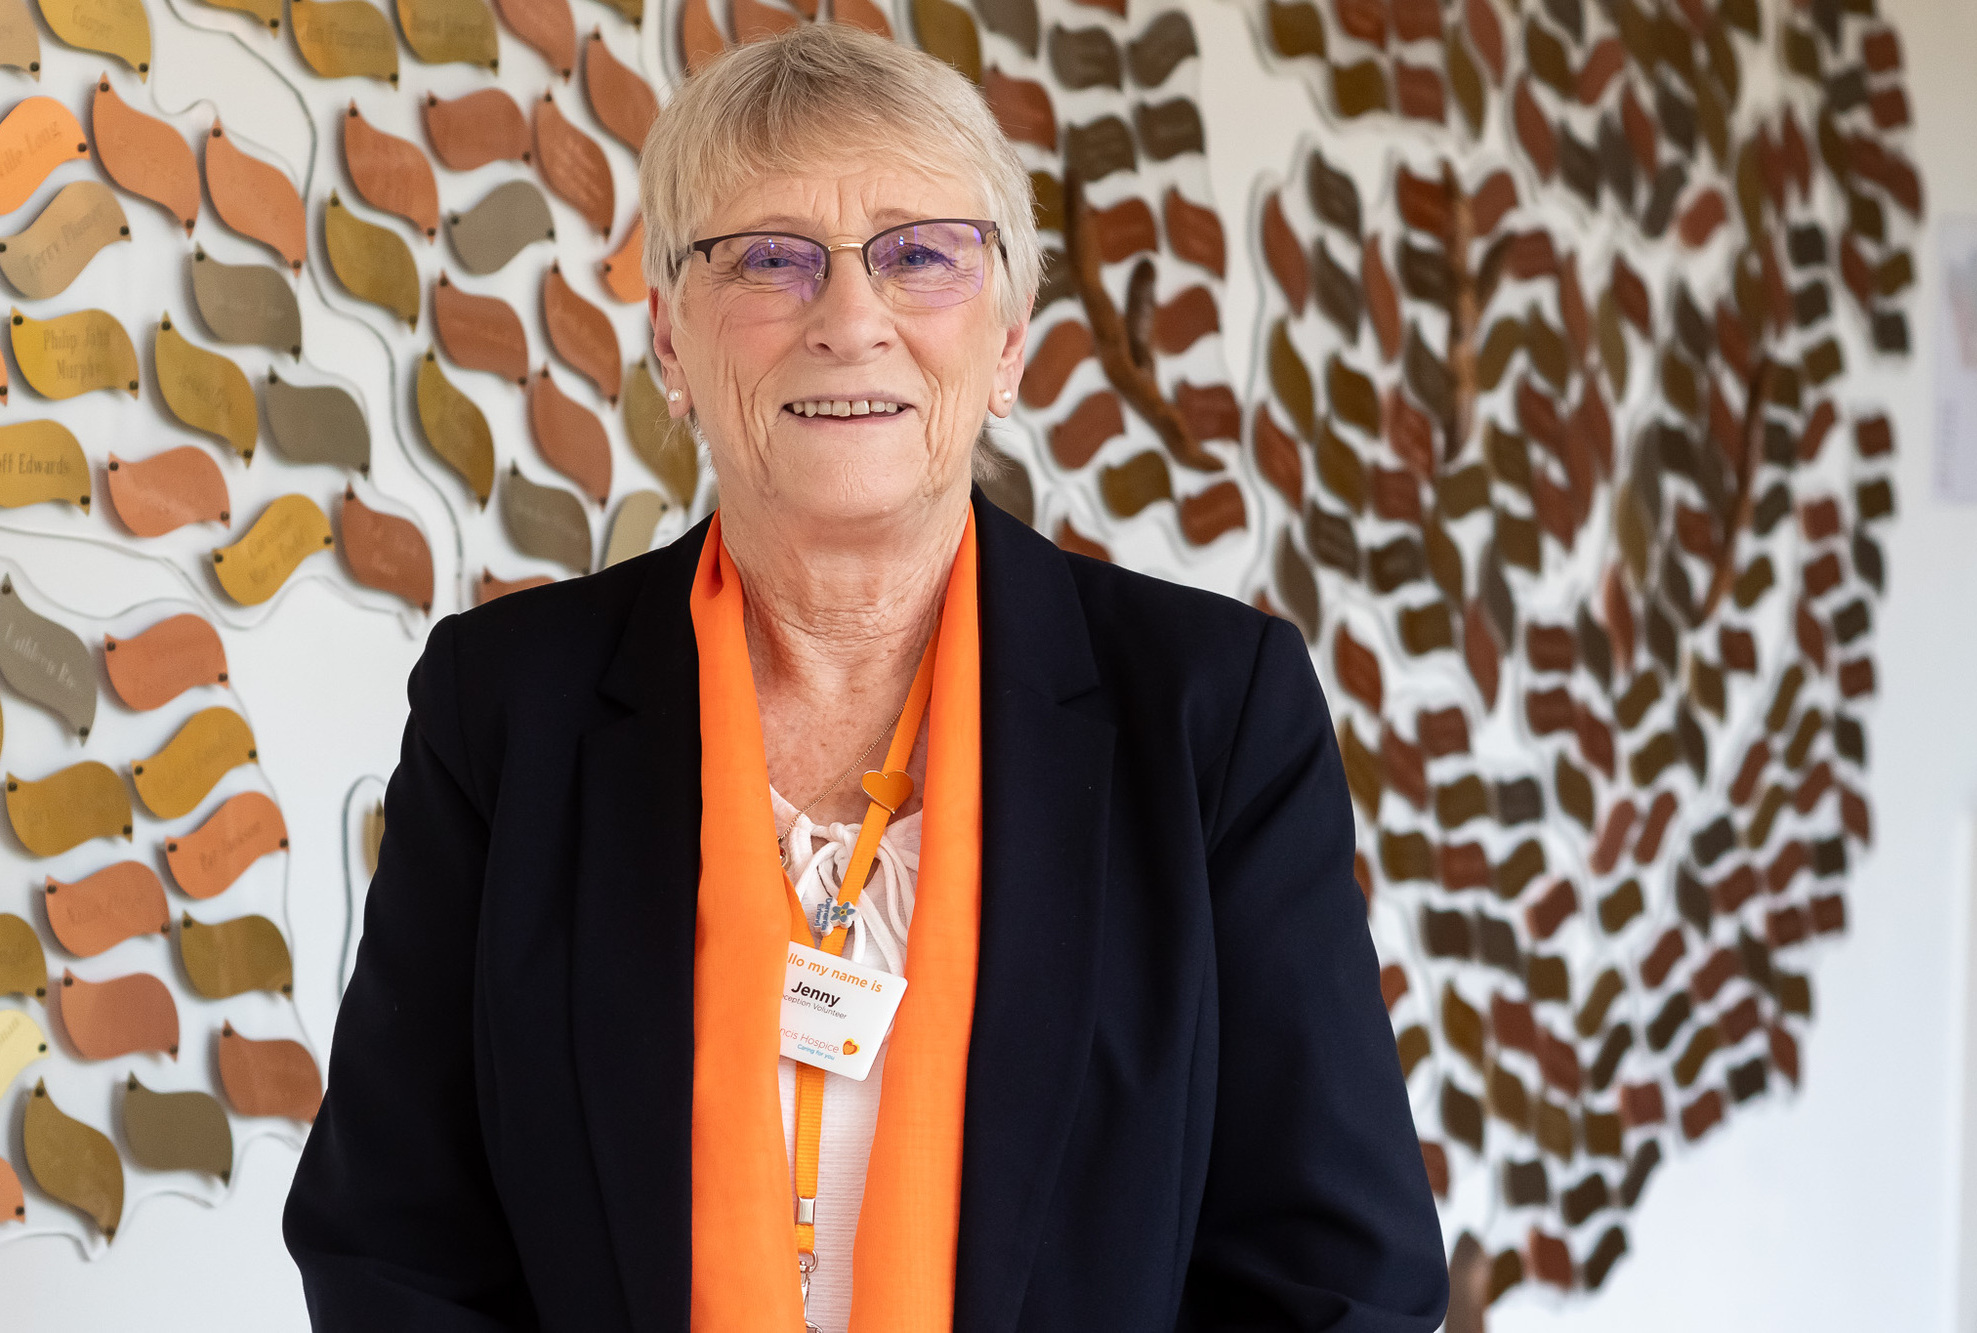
<point>1317,1212</point>
<point>393,1217</point>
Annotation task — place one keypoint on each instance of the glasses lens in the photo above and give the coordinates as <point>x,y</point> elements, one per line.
<point>930,263</point>
<point>781,264</point>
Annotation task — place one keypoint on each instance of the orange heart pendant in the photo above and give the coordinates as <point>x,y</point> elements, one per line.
<point>891,789</point>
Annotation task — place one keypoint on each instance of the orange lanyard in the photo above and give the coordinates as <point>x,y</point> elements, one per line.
<point>889,789</point>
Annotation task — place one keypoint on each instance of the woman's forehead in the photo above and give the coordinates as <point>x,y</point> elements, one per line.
<point>854,200</point>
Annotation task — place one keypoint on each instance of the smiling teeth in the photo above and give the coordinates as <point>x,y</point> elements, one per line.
<point>844,407</point>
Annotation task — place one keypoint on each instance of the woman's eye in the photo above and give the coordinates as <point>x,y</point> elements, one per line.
<point>917,256</point>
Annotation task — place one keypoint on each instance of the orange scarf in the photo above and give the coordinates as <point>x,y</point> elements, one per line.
<point>744,1235</point>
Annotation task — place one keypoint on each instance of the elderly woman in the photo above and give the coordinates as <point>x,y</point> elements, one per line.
<point>860,914</point>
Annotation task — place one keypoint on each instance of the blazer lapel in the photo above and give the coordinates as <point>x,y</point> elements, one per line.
<point>637,878</point>
<point>1046,779</point>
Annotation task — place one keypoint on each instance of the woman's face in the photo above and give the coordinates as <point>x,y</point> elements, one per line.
<point>747,360</point>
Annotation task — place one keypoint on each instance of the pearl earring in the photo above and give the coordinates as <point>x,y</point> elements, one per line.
<point>1007,395</point>
<point>673,396</point>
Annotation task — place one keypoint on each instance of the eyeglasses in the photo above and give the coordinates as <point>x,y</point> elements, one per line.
<point>917,265</point>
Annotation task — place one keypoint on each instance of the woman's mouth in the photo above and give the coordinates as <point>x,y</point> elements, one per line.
<point>844,407</point>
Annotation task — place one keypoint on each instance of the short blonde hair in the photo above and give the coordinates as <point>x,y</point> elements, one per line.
<point>814,95</point>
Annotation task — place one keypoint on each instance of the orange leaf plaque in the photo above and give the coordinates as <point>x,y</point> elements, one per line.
<point>390,173</point>
<point>121,1016</point>
<point>159,664</point>
<point>37,136</point>
<point>117,903</point>
<point>547,26</point>
<point>277,1077</point>
<point>156,495</point>
<point>623,270</point>
<point>255,198</point>
<point>209,859</point>
<point>570,437</point>
<point>581,334</point>
<point>622,101</point>
<point>573,165</point>
<point>477,129</point>
<point>480,332</point>
<point>386,552</point>
<point>142,153</point>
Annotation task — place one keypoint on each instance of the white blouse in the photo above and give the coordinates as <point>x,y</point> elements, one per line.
<point>818,855</point>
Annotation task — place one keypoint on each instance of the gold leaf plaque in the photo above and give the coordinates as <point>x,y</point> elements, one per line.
<point>663,444</point>
<point>545,521</point>
<point>37,136</point>
<point>318,423</point>
<point>494,231</point>
<point>143,154</point>
<point>72,354</point>
<point>42,260</point>
<point>177,1131</point>
<point>68,808</point>
<point>233,957</point>
<point>22,1042</point>
<point>632,527</point>
<point>73,1162</point>
<point>248,304</point>
<point>390,173</point>
<point>41,460</point>
<point>255,198</point>
<point>23,967</point>
<point>46,662</point>
<point>155,495</point>
<point>268,11</point>
<point>205,390</point>
<point>289,530</point>
<point>212,743</point>
<point>373,262</point>
<point>117,28</point>
<point>441,32</point>
<point>344,37</point>
<point>20,45</point>
<point>455,428</point>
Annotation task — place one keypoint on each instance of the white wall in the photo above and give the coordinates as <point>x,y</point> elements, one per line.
<point>1836,1209</point>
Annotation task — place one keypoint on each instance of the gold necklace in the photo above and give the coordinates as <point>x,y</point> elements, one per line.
<point>782,838</point>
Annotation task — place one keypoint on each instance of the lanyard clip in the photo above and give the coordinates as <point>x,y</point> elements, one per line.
<point>806,1264</point>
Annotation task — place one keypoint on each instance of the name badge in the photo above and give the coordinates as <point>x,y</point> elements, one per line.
<point>836,1012</point>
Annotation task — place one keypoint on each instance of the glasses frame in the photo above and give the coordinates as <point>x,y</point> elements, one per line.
<point>990,231</point>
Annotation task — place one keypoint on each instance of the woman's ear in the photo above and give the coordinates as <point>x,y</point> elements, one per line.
<point>678,400</point>
<point>1009,367</point>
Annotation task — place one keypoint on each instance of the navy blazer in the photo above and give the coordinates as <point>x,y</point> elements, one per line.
<point>1184,1108</point>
